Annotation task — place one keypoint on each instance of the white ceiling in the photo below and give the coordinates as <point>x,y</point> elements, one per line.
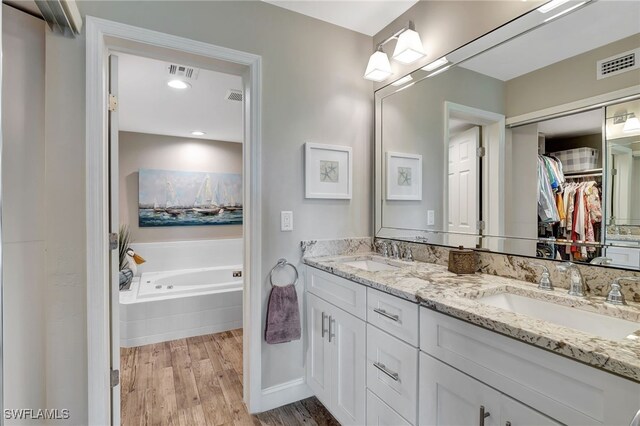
<point>586,123</point>
<point>147,105</point>
<point>364,16</point>
<point>595,25</point>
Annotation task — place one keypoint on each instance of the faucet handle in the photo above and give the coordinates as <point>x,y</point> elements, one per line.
<point>545,278</point>
<point>565,266</point>
<point>408,254</point>
<point>615,296</point>
<point>384,248</point>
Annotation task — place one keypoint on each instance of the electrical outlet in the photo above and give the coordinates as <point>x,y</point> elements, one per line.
<point>431,217</point>
<point>286,221</point>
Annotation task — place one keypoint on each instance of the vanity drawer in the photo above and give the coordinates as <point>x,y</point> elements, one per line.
<point>562,389</point>
<point>392,372</point>
<point>344,294</point>
<point>380,414</point>
<point>396,316</point>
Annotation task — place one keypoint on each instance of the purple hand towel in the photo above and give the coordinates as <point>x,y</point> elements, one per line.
<point>283,316</point>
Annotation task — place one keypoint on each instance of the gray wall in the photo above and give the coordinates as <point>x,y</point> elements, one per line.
<point>446,25</point>
<point>23,245</point>
<point>569,80</point>
<point>413,122</point>
<point>144,151</point>
<point>313,92</point>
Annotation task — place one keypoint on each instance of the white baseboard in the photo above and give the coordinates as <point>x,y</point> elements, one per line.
<point>284,393</point>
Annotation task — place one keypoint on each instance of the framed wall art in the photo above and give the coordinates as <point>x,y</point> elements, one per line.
<point>404,176</point>
<point>328,171</point>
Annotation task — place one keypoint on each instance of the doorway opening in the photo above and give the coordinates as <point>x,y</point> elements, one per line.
<point>176,136</point>
<point>183,215</point>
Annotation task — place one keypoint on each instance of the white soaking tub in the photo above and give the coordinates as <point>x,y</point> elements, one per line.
<point>170,305</point>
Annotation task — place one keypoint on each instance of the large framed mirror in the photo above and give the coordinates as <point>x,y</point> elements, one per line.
<point>525,141</point>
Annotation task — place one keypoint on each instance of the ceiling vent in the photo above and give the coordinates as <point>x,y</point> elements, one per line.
<point>184,71</point>
<point>234,95</point>
<point>618,64</point>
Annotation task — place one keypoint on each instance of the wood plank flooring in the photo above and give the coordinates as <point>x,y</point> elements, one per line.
<point>198,381</point>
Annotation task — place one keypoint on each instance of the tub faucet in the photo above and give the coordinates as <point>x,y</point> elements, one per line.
<point>577,281</point>
<point>615,296</point>
<point>395,251</point>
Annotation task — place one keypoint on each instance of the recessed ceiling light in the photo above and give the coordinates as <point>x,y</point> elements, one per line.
<point>198,133</point>
<point>178,84</point>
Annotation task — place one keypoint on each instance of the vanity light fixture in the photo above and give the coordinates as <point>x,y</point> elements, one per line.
<point>408,49</point>
<point>436,64</point>
<point>548,7</point>
<point>632,124</point>
<point>407,78</point>
<point>564,12</point>
<point>378,68</point>
<point>198,133</point>
<point>178,84</point>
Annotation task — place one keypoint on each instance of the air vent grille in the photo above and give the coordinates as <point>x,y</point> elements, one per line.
<point>618,64</point>
<point>234,95</point>
<point>183,71</point>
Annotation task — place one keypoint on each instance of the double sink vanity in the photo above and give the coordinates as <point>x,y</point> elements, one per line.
<point>393,342</point>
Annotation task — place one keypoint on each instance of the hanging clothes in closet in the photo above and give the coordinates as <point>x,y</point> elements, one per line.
<point>568,210</point>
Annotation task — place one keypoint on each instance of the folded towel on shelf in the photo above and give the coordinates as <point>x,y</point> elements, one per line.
<point>283,315</point>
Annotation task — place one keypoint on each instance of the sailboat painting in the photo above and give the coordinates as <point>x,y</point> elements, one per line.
<point>177,198</point>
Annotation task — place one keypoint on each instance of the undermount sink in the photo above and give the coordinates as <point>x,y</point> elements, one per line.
<point>370,265</point>
<point>588,322</point>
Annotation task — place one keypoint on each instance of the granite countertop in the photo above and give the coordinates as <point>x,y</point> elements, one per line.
<point>623,237</point>
<point>434,287</point>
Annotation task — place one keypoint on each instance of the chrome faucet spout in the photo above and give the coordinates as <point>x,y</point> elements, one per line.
<point>577,287</point>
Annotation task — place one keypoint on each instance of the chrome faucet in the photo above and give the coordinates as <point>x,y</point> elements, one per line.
<point>408,254</point>
<point>545,280</point>
<point>577,281</point>
<point>601,260</point>
<point>384,249</point>
<point>395,251</point>
<point>615,296</point>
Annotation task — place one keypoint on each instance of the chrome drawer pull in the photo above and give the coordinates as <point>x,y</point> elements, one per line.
<point>384,313</point>
<point>380,366</point>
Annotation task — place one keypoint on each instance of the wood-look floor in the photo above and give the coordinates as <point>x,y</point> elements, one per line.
<point>198,381</point>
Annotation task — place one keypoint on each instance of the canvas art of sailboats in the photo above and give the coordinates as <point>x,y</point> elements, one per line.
<point>204,203</point>
<point>178,198</point>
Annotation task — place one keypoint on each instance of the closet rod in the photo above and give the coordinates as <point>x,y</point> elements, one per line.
<point>583,175</point>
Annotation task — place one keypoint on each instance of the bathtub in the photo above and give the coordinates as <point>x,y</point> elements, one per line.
<point>169,305</point>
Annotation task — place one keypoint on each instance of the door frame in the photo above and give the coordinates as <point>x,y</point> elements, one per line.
<point>100,34</point>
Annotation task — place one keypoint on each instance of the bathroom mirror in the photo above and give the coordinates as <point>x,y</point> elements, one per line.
<point>509,143</point>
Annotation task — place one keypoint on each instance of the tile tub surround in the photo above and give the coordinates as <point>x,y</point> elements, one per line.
<point>597,278</point>
<point>433,286</point>
<point>343,246</point>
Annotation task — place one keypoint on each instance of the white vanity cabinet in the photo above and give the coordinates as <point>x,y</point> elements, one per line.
<point>335,360</point>
<point>530,386</point>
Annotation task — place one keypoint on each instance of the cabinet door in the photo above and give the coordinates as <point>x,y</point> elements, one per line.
<point>514,413</point>
<point>347,335</point>
<point>319,349</point>
<point>449,397</point>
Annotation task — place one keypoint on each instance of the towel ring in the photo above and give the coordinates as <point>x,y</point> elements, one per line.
<point>281,264</point>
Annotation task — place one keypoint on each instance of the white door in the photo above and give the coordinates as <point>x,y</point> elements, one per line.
<point>463,208</point>
<point>113,228</point>
<point>319,350</point>
<point>451,398</point>
<point>347,338</point>
<point>514,413</point>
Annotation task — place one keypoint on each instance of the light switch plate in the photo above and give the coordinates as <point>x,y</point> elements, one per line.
<point>286,221</point>
<point>431,217</point>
